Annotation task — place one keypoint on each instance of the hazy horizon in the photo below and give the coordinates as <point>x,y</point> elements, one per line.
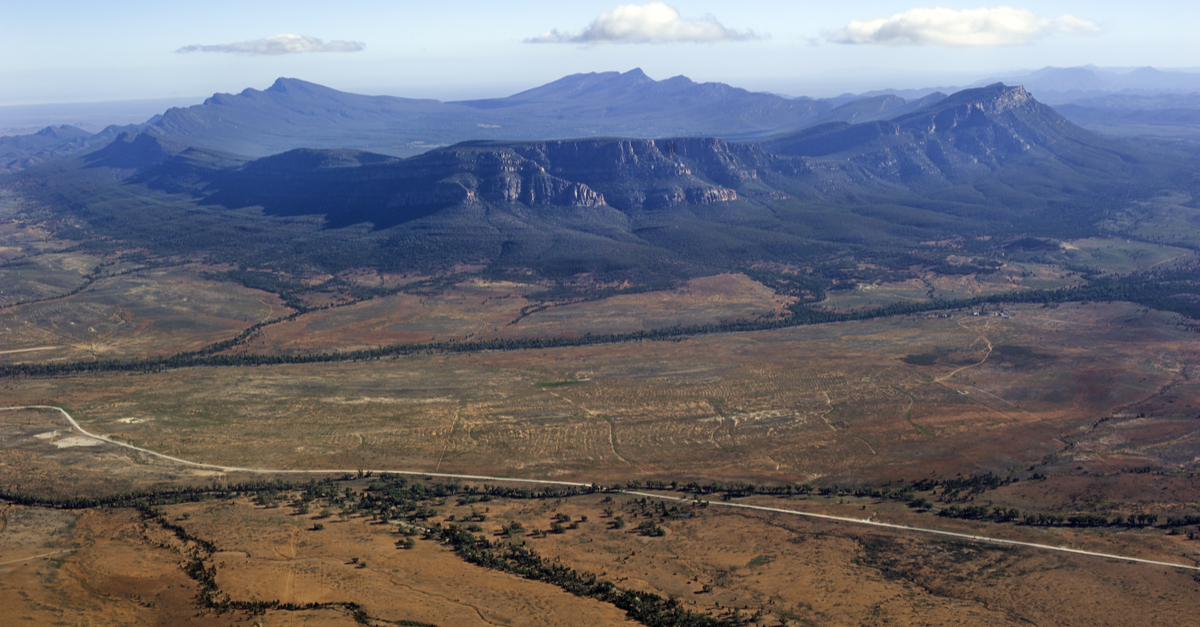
<point>94,115</point>
<point>71,52</point>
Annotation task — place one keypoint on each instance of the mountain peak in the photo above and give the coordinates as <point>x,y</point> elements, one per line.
<point>993,98</point>
<point>284,85</point>
<point>62,131</point>
<point>130,151</point>
<point>958,138</point>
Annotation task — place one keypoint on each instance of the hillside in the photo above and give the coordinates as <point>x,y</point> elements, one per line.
<point>997,140</point>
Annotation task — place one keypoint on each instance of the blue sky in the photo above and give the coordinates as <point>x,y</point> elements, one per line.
<point>71,51</point>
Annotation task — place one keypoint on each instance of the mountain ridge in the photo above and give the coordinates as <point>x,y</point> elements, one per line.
<point>604,104</point>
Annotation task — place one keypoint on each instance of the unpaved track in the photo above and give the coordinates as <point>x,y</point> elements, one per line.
<point>36,557</point>
<point>746,506</point>
<point>28,350</point>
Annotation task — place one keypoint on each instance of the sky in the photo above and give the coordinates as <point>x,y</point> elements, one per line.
<point>65,51</point>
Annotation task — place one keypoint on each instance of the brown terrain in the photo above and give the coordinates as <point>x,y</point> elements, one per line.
<point>1093,408</point>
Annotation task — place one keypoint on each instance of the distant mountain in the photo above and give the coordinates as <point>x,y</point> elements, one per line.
<point>21,151</point>
<point>1178,114</point>
<point>296,114</point>
<point>293,114</point>
<point>18,152</point>
<point>634,105</point>
<point>1055,85</point>
<point>880,107</point>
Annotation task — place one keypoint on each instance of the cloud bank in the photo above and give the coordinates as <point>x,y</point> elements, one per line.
<point>998,26</point>
<point>279,44</point>
<point>655,22</point>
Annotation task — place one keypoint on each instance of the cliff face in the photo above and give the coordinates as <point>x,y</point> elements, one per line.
<point>654,174</point>
<point>502,176</point>
<point>629,174</point>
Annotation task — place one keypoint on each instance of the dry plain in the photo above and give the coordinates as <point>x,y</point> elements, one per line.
<point>896,398</point>
<point>1095,408</point>
<point>76,566</point>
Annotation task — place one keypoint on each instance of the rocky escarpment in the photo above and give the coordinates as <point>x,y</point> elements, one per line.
<point>628,175</point>
<point>644,174</point>
<point>502,176</point>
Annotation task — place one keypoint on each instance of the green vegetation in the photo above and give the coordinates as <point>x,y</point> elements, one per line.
<point>761,560</point>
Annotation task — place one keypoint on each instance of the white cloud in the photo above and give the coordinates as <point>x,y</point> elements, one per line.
<point>998,26</point>
<point>279,44</point>
<point>655,22</point>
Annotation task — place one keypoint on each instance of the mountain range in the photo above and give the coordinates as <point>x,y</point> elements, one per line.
<point>295,114</point>
<point>986,161</point>
<point>292,113</point>
<point>18,152</point>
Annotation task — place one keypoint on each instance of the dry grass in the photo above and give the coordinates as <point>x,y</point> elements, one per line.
<point>836,401</point>
<point>1011,277</point>
<point>1083,392</point>
<point>482,309</point>
<point>146,313</point>
<point>29,267</point>
<point>807,572</point>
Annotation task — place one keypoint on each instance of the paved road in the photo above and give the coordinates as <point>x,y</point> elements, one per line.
<point>760,508</point>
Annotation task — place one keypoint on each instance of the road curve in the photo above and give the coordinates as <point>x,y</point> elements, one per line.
<point>760,508</point>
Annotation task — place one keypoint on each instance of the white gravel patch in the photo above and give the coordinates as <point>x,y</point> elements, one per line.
<point>77,441</point>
